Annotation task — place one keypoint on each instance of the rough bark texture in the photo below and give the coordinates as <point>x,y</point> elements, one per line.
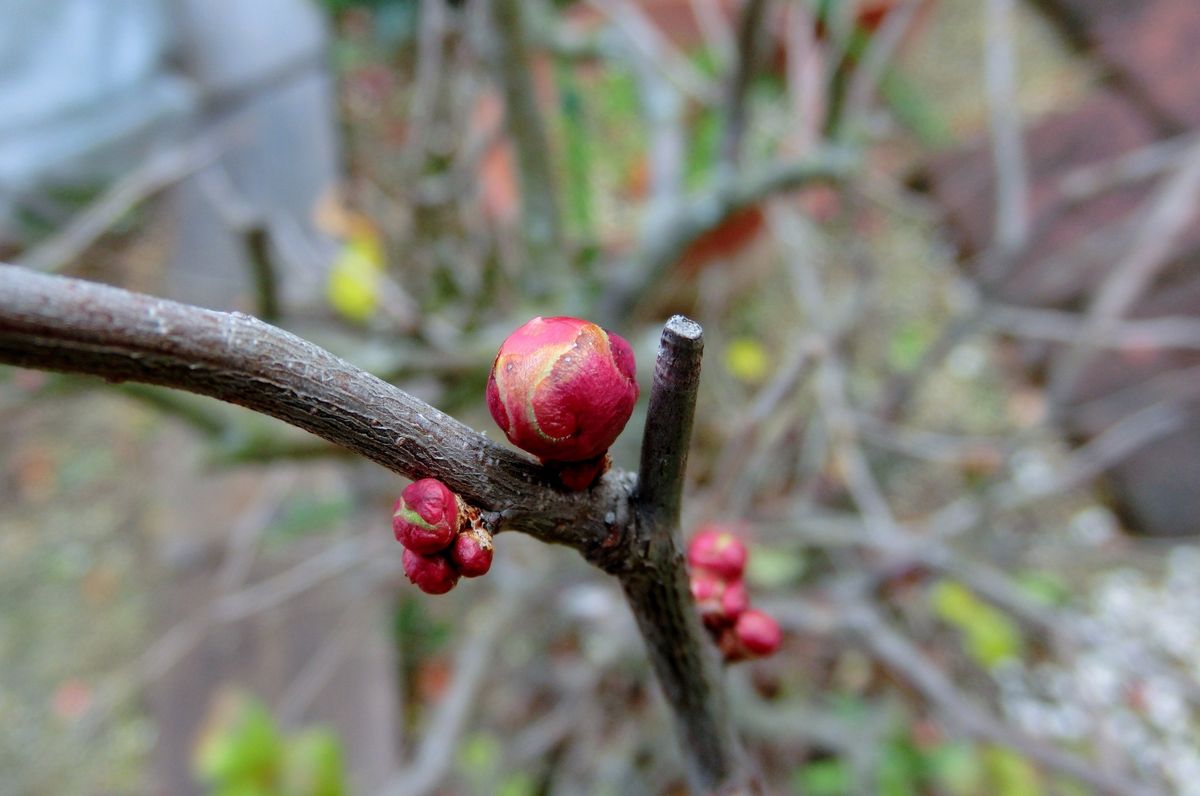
<point>69,325</point>
<point>55,323</point>
<point>656,581</point>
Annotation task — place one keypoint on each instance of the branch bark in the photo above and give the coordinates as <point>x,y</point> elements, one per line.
<point>657,588</point>
<point>56,323</point>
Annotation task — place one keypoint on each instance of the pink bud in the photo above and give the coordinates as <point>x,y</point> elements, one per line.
<point>431,574</point>
<point>707,590</point>
<point>735,600</point>
<point>472,552</point>
<point>716,549</point>
<point>426,516</point>
<point>562,388</point>
<point>758,633</point>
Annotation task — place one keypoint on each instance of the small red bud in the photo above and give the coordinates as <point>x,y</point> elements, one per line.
<point>758,633</point>
<point>735,600</point>
<point>716,549</point>
<point>431,574</point>
<point>563,389</point>
<point>472,552</point>
<point>707,590</point>
<point>426,516</point>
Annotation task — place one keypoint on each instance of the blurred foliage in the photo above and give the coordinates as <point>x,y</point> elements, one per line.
<point>242,752</point>
<point>989,635</point>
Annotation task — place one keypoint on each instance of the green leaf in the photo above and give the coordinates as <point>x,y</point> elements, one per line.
<point>772,568</point>
<point>1045,587</point>
<point>989,636</point>
<point>830,777</point>
<point>313,765</point>
<point>1009,774</point>
<point>957,768</point>
<point>240,746</point>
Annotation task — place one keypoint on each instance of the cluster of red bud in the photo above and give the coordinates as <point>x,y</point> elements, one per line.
<point>443,537</point>
<point>717,560</point>
<point>563,389</point>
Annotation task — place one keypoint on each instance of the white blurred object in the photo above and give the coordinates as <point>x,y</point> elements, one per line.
<point>90,89</point>
<point>84,91</point>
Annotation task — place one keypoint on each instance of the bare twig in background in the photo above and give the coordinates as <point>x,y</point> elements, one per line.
<point>895,651</point>
<point>156,173</point>
<point>644,36</point>
<point>541,220</point>
<point>1084,182</point>
<point>472,663</point>
<point>695,217</point>
<point>1181,332</point>
<point>1171,210</point>
<point>715,28</point>
<point>1008,150</point>
<point>878,57</point>
<point>750,40</point>
<point>422,106</point>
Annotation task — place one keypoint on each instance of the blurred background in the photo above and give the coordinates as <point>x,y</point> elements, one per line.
<point>946,256</point>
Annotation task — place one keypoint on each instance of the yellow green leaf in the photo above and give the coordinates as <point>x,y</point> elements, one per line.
<point>747,360</point>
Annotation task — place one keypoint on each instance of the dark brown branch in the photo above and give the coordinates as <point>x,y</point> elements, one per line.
<point>657,588</point>
<point>55,323</point>
<point>669,427</point>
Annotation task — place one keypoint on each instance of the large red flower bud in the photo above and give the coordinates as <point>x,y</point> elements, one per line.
<point>562,388</point>
<point>717,549</point>
<point>431,574</point>
<point>426,516</point>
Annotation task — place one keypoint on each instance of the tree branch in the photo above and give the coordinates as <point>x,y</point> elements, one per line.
<point>540,217</point>
<point>749,47</point>
<point>56,323</point>
<point>657,588</point>
<point>695,217</point>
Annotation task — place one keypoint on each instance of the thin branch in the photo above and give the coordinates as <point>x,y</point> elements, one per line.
<point>1167,217</point>
<point>56,323</point>
<point>540,217</point>
<point>1059,326</point>
<point>695,217</point>
<point>436,754</point>
<point>883,45</point>
<point>644,36</point>
<point>657,589</point>
<point>672,406</point>
<point>151,176</point>
<point>1008,151</point>
<point>895,651</point>
<point>749,47</point>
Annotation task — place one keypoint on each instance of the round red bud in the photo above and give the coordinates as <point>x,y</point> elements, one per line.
<point>717,549</point>
<point>431,574</point>
<point>562,388</point>
<point>758,633</point>
<point>426,516</point>
<point>472,552</point>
